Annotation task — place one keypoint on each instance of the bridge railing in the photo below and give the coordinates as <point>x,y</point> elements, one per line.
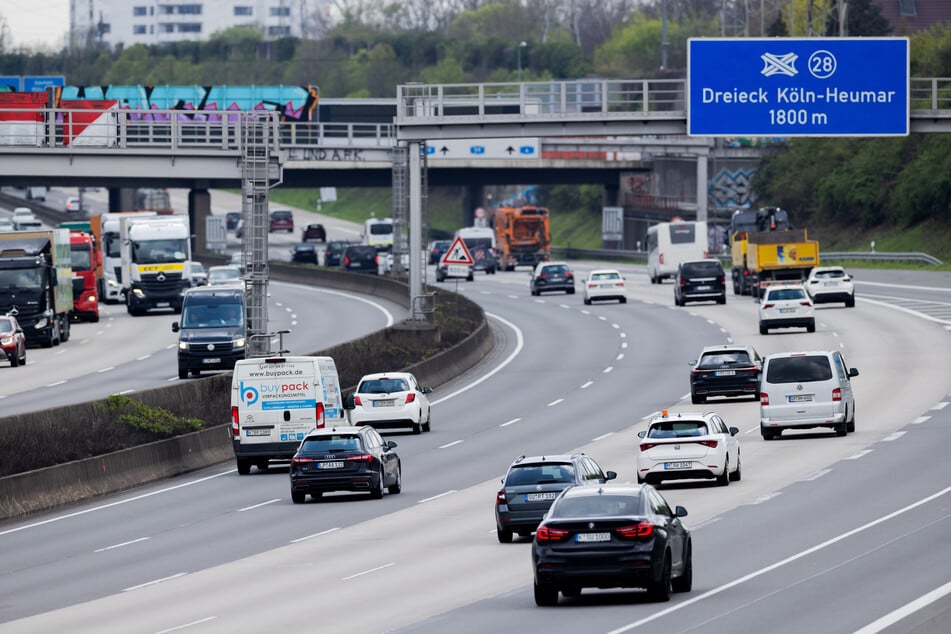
<point>297,134</point>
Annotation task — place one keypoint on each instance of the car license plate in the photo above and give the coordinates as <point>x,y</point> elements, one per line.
<point>830,283</point>
<point>677,465</point>
<point>799,398</point>
<point>257,432</point>
<point>703,288</point>
<point>725,373</point>
<point>540,497</point>
<point>387,403</point>
<point>355,265</point>
<point>787,310</point>
<point>162,304</point>
<point>592,537</point>
<point>211,360</point>
<point>330,465</point>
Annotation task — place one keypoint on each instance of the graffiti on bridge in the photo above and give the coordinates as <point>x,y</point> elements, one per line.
<point>732,188</point>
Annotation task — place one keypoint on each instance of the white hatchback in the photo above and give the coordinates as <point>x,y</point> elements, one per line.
<point>686,446</point>
<point>390,399</point>
<point>828,284</point>
<point>786,306</point>
<point>604,284</point>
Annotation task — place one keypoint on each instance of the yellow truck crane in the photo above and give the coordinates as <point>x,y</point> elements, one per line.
<point>766,250</point>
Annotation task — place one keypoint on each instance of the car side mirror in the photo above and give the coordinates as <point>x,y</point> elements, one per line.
<point>348,402</point>
<point>734,431</point>
<point>853,372</point>
<point>680,511</point>
<point>390,445</point>
<point>694,362</point>
<point>426,390</point>
<point>642,434</point>
<point>175,326</point>
<point>610,475</point>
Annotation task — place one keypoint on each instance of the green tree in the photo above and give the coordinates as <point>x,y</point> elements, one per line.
<point>863,18</point>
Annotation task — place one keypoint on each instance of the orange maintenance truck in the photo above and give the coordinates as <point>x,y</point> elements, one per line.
<point>522,236</point>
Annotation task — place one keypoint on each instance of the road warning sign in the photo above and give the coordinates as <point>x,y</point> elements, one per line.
<point>458,253</point>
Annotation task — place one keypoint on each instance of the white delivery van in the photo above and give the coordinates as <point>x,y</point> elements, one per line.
<point>670,243</point>
<point>378,232</point>
<point>276,401</point>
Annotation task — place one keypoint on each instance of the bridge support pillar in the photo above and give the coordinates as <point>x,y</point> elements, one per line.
<point>121,199</point>
<point>611,195</point>
<point>471,199</point>
<point>199,208</point>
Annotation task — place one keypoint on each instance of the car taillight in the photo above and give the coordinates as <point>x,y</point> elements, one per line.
<point>805,303</point>
<point>768,305</point>
<point>346,260</point>
<point>837,394</point>
<point>763,398</point>
<point>723,278</point>
<point>542,276</point>
<point>569,274</point>
<point>549,534</point>
<point>591,284</point>
<point>500,497</point>
<point>235,430</point>
<point>683,282</point>
<point>376,259</point>
<point>356,401</point>
<point>660,258</point>
<point>648,445</point>
<point>364,457</point>
<point>411,397</point>
<point>712,444</point>
<point>846,279</point>
<point>319,414</point>
<point>641,529</point>
<point>297,461</point>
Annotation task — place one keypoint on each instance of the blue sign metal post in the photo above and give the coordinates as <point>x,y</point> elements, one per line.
<point>798,87</point>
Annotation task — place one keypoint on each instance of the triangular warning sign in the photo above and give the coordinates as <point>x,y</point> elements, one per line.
<point>458,253</point>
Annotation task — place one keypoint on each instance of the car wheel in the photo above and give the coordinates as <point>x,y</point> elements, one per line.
<point>587,301</point>
<point>572,591</point>
<point>763,330</point>
<point>696,399</point>
<point>14,361</point>
<point>428,421</point>
<point>841,429</point>
<point>623,300</point>
<point>684,583</point>
<point>771,434</point>
<point>417,428</point>
<point>849,428</point>
<point>641,480</point>
<point>297,497</point>
<point>724,479</point>
<point>504,534</point>
<point>737,474</point>
<point>545,595</point>
<point>23,358</point>
<point>398,485</point>
<point>571,291</point>
<point>660,589</point>
<point>850,302</point>
<point>722,300</point>
<point>244,466</point>
<point>377,492</point>
<point>811,327</point>
<point>182,373</point>
<point>535,293</point>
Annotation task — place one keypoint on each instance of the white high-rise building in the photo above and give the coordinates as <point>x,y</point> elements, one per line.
<point>129,22</point>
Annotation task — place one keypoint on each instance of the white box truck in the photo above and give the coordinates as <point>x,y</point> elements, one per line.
<point>156,261</point>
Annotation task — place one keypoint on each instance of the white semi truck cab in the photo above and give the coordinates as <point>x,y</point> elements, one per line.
<point>156,261</point>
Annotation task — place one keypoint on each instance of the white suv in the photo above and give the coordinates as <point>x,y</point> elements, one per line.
<point>390,399</point>
<point>802,390</point>
<point>830,284</point>
<point>786,306</point>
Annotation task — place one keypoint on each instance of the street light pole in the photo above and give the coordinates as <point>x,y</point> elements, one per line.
<point>521,45</point>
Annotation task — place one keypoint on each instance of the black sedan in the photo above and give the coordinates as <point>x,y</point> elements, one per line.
<point>361,258</point>
<point>333,251</point>
<point>725,370</point>
<point>345,459</point>
<point>552,276</point>
<point>305,252</point>
<point>611,536</point>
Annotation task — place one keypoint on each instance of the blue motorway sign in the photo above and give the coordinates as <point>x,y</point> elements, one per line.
<point>10,83</point>
<point>798,87</point>
<point>39,83</point>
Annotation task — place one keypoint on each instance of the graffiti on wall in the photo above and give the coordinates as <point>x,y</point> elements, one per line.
<point>294,103</point>
<point>730,189</point>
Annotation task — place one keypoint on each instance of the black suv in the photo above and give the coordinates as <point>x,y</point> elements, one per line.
<point>531,484</point>
<point>552,276</point>
<point>725,370</point>
<point>361,258</point>
<point>231,220</point>
<point>700,281</point>
<point>333,251</point>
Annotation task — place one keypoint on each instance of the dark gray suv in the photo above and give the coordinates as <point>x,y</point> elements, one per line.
<point>700,281</point>
<point>531,484</point>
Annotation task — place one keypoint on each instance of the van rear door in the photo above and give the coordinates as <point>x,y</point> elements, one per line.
<point>276,400</point>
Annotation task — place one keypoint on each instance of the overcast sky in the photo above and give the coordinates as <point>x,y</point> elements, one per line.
<point>36,23</point>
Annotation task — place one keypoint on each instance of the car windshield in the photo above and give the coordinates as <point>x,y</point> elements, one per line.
<point>5,325</point>
<point>381,228</point>
<point>605,276</point>
<point>677,429</point>
<point>382,386</point>
<point>330,444</point>
<point>560,269</point>
<point>828,275</point>
<point>721,359</point>
<point>785,294</point>
<point>703,268</point>
<point>219,275</point>
<point>539,474</point>
<point>212,316</point>
<point>602,505</point>
<point>802,369</point>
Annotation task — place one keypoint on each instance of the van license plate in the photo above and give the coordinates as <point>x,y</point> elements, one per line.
<point>257,432</point>
<point>800,398</point>
<point>211,360</point>
<point>703,288</point>
<point>330,465</point>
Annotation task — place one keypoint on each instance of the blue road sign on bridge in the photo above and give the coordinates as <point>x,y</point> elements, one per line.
<point>798,87</point>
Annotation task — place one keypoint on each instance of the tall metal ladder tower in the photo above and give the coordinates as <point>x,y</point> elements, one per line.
<point>260,170</point>
<point>401,227</point>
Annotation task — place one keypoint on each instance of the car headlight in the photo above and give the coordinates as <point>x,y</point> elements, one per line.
<point>138,293</point>
<point>6,341</point>
<point>183,345</point>
<point>41,323</point>
<point>238,343</point>
<point>113,283</point>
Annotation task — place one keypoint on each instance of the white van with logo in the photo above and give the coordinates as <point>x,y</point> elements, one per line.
<point>276,401</point>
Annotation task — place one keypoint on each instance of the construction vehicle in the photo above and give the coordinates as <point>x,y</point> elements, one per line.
<point>768,250</point>
<point>156,261</point>
<point>36,283</point>
<point>86,262</point>
<point>522,236</point>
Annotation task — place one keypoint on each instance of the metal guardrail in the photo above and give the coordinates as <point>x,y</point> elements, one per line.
<point>615,255</point>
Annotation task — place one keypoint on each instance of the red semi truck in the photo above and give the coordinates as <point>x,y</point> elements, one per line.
<point>87,261</point>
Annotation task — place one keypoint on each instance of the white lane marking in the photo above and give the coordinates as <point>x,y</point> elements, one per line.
<point>765,498</point>
<point>114,546</point>
<point>513,296</point>
<point>619,356</point>
<point>186,625</point>
<point>711,322</point>
<point>602,318</point>
<point>389,316</point>
<point>752,429</point>
<point>436,497</point>
<point>539,301</point>
<point>859,454</point>
<point>564,305</point>
<point>616,326</point>
<point>555,402</point>
<point>254,506</point>
<point>287,309</point>
<point>519,343</point>
<point>607,369</point>
<point>917,288</point>
<point>154,582</point>
<point>920,420</point>
<point>940,405</point>
<point>511,422</point>
<point>54,384</point>
<point>817,475</point>
<point>312,535</point>
<point>602,436</point>
<point>84,342</point>
<point>62,351</point>
<point>172,378</point>
<point>585,312</point>
<point>906,610</point>
<point>171,345</point>
<point>586,385</point>
<point>779,564</point>
<point>906,310</point>
<point>111,367</point>
<point>366,572</point>
<point>144,357</point>
<point>623,335</point>
<point>623,345</point>
<point>894,436</point>
<point>452,444</point>
<point>485,292</point>
<point>723,330</point>
<point>117,503</point>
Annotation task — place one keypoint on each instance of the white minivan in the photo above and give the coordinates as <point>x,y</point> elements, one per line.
<point>670,243</point>
<point>276,401</point>
<point>802,390</point>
